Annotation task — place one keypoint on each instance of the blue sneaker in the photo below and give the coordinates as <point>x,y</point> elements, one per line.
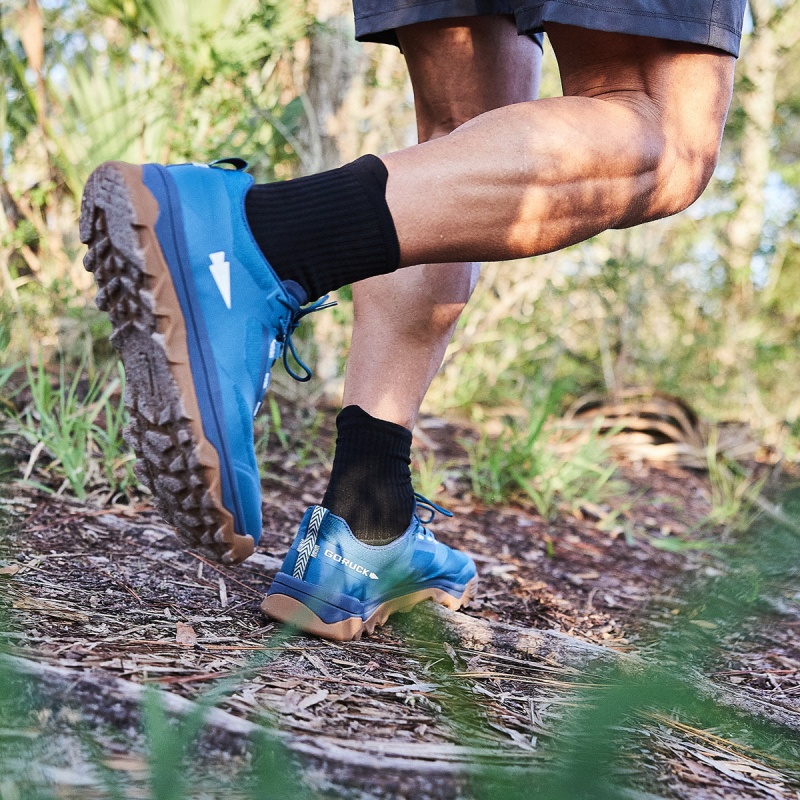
<point>334,586</point>
<point>199,318</point>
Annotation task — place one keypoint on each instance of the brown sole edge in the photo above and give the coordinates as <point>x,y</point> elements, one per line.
<point>176,462</point>
<point>292,612</point>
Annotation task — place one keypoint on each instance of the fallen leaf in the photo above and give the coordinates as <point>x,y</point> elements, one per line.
<point>185,635</point>
<point>290,701</point>
<point>50,608</point>
<point>315,698</point>
<point>703,623</point>
<point>127,764</point>
<point>11,569</point>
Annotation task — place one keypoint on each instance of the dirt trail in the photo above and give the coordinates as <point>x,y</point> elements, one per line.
<point>104,601</point>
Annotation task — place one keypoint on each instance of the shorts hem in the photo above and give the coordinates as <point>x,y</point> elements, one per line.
<point>692,30</point>
<point>380,26</point>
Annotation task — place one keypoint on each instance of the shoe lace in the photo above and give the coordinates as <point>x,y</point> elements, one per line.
<point>430,507</point>
<point>298,315</point>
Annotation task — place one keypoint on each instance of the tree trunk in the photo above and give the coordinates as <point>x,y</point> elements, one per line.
<point>757,92</point>
<point>333,63</point>
<point>774,29</point>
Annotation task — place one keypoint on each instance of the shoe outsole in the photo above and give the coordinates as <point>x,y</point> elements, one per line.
<point>291,611</point>
<point>176,462</point>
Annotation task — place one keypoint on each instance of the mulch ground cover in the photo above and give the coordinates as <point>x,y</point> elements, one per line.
<point>107,595</point>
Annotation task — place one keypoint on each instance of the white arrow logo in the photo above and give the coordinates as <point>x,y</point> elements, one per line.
<point>221,273</point>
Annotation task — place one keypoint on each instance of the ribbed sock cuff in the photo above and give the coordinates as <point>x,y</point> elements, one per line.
<point>355,416</point>
<point>370,485</point>
<point>328,230</point>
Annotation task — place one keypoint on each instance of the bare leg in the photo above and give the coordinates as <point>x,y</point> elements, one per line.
<point>635,138</point>
<point>459,69</point>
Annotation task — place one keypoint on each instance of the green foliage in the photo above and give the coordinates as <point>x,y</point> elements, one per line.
<point>292,445</point>
<point>207,39</point>
<point>735,491</point>
<point>6,373</point>
<point>591,755</point>
<point>428,475</point>
<point>536,464</point>
<point>111,114</point>
<point>168,746</point>
<point>162,80</point>
<point>277,424</point>
<point>113,454</point>
<point>79,427</point>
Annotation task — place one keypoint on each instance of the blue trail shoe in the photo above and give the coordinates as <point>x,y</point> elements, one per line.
<point>334,586</point>
<point>199,318</point>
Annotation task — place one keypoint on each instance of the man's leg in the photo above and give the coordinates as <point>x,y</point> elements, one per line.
<point>403,322</point>
<point>627,143</point>
<point>642,152</point>
<point>635,138</point>
<point>460,68</point>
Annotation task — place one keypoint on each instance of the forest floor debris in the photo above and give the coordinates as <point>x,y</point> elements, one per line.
<point>103,602</point>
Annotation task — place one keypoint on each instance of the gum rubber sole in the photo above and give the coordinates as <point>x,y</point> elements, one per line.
<point>176,462</point>
<point>287,609</point>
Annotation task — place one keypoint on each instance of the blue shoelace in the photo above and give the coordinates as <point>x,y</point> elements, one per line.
<point>289,347</point>
<point>430,507</point>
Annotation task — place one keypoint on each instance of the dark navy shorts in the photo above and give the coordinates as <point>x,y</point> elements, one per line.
<point>716,23</point>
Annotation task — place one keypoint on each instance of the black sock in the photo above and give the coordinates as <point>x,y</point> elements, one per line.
<point>326,231</point>
<point>370,486</point>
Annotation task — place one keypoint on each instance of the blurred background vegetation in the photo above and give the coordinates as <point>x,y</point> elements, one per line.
<point>704,306</point>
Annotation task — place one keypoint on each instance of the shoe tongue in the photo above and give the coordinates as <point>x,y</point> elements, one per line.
<point>296,291</point>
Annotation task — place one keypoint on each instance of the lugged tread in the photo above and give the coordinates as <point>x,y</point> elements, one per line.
<point>173,459</point>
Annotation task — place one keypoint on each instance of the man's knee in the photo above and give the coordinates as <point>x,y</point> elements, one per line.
<point>443,318</point>
<point>684,169</point>
<point>674,97</point>
<point>679,155</point>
